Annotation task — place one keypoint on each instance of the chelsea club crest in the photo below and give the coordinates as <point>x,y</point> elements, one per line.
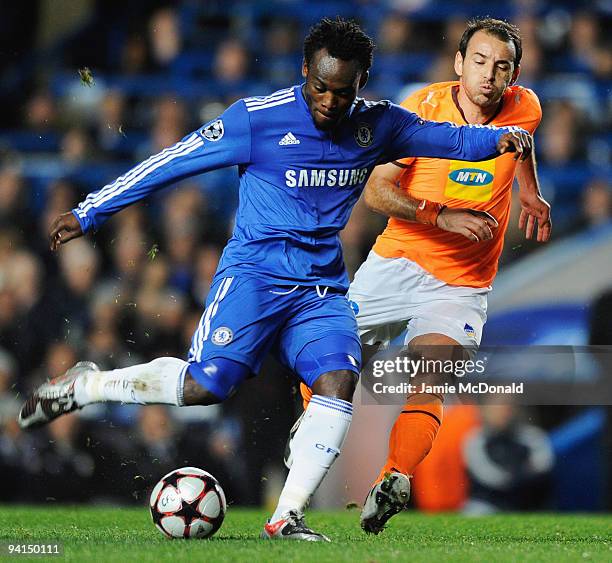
<point>364,135</point>
<point>222,336</point>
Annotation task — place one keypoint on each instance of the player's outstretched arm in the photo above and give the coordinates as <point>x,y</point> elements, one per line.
<point>383,195</point>
<point>64,228</point>
<point>225,141</point>
<point>414,136</point>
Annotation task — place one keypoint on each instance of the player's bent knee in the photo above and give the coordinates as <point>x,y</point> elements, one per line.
<point>195,394</point>
<point>340,384</point>
<point>438,356</point>
<point>212,381</point>
<point>334,352</point>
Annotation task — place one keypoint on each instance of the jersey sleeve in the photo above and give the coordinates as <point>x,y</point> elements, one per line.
<point>225,141</point>
<point>411,103</point>
<point>411,135</point>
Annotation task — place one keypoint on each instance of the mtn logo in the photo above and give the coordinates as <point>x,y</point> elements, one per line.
<point>471,177</point>
<point>289,139</point>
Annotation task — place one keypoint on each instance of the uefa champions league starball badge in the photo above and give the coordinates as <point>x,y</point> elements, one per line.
<point>214,131</point>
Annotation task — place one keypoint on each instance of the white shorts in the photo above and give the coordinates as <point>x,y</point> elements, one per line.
<point>393,295</point>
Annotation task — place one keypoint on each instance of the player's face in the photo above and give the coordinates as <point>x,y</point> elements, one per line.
<point>331,87</point>
<point>487,70</point>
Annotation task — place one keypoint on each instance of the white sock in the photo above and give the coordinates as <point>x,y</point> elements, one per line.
<point>316,445</point>
<point>158,382</point>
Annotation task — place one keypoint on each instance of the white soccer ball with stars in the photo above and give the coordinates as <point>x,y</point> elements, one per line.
<point>188,503</point>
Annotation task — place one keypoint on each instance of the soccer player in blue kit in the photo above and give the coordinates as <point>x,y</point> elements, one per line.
<point>304,155</point>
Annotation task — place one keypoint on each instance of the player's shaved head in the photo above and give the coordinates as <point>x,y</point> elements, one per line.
<point>497,28</point>
<point>342,39</point>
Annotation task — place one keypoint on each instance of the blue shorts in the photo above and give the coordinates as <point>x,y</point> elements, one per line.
<point>311,329</point>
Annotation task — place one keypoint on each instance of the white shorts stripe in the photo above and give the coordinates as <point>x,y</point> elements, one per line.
<point>214,308</point>
<point>195,346</point>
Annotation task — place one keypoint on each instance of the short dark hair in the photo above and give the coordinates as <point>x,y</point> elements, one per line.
<point>498,28</point>
<point>342,38</point>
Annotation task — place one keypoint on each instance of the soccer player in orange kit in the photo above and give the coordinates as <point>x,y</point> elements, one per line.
<point>430,271</point>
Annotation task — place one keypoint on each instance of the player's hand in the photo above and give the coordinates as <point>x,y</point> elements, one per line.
<point>535,209</point>
<point>474,225</point>
<point>64,228</point>
<point>519,142</point>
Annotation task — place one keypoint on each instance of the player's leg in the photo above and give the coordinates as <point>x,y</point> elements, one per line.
<point>417,425</point>
<point>379,298</point>
<point>368,352</point>
<point>220,358</point>
<point>410,440</point>
<point>443,336</point>
<point>438,331</point>
<point>318,440</point>
<point>315,447</point>
<point>162,381</point>
<point>321,347</point>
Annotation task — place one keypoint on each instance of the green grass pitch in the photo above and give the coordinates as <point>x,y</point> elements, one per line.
<point>127,534</point>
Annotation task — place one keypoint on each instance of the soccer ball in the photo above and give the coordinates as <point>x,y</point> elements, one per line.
<point>188,503</point>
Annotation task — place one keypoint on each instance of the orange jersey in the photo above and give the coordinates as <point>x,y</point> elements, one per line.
<point>484,185</point>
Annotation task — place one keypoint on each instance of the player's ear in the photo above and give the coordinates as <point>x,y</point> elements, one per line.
<point>515,75</point>
<point>304,68</point>
<point>364,79</point>
<point>458,64</point>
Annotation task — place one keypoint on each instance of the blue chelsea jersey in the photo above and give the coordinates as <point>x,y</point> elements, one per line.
<point>298,183</point>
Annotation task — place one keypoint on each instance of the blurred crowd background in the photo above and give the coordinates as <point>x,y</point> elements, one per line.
<point>89,88</point>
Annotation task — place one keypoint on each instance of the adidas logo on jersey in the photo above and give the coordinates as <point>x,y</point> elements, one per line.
<point>289,139</point>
